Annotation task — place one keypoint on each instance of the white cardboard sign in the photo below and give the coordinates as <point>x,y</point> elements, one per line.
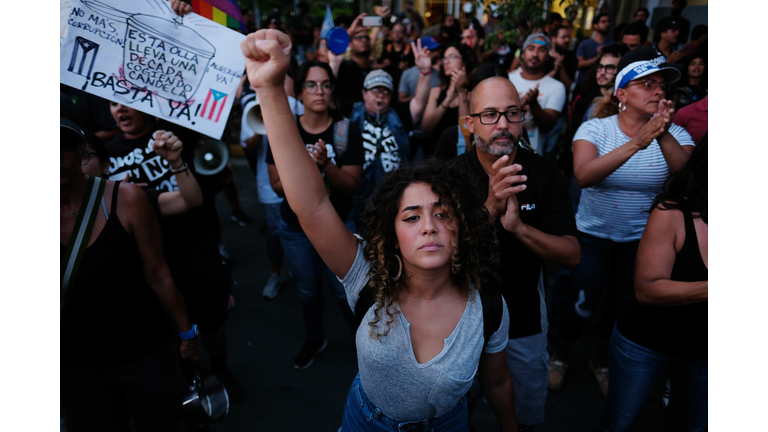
<point>141,54</point>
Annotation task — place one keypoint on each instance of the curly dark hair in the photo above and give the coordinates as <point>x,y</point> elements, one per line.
<point>473,258</point>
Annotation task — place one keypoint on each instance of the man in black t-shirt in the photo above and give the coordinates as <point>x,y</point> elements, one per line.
<point>396,56</point>
<point>529,203</point>
<point>683,24</point>
<point>562,63</point>
<point>351,73</point>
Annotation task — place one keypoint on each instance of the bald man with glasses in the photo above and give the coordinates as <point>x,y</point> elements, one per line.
<point>528,201</point>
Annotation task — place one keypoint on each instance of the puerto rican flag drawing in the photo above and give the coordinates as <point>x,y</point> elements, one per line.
<point>219,99</point>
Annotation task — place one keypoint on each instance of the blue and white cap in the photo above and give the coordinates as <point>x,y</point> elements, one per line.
<point>642,62</point>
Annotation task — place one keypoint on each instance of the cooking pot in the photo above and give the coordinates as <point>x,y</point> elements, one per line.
<point>203,401</point>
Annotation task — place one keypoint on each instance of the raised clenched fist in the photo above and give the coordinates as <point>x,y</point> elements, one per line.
<point>267,56</point>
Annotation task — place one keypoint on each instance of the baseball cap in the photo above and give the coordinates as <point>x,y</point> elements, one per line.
<point>642,62</point>
<point>532,39</point>
<point>378,78</point>
<point>666,24</point>
<point>68,115</point>
<point>429,42</point>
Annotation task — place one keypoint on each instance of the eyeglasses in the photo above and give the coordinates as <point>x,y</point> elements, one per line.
<point>650,85</point>
<point>450,58</point>
<point>360,38</point>
<point>381,91</point>
<point>87,157</point>
<point>492,117</point>
<point>312,86</point>
<point>608,68</point>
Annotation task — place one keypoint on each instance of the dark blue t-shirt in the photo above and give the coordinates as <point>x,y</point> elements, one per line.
<point>588,50</point>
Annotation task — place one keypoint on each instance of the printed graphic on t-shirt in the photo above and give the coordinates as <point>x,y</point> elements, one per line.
<point>145,166</point>
<point>331,152</point>
<point>390,157</point>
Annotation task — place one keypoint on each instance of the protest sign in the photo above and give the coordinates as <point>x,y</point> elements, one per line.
<point>141,54</point>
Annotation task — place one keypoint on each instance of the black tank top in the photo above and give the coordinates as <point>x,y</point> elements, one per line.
<point>111,316</point>
<point>450,118</point>
<point>677,331</point>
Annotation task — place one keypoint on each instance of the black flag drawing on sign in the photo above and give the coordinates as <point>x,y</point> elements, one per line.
<point>87,46</point>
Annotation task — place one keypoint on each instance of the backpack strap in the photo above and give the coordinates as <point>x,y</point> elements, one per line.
<point>363,304</point>
<point>340,135</point>
<point>491,299</point>
<point>81,233</point>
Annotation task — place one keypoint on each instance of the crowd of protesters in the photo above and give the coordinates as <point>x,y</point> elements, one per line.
<point>471,209</point>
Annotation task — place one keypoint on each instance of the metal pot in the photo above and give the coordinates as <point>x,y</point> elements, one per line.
<point>203,402</point>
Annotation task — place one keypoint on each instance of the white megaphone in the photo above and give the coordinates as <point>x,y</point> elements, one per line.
<point>253,117</point>
<point>211,157</point>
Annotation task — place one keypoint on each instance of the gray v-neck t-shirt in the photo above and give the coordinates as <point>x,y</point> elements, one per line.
<point>399,385</point>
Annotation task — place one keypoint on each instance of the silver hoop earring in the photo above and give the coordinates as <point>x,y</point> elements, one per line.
<point>399,268</point>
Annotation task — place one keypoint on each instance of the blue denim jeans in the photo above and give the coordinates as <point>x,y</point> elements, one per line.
<point>549,141</point>
<point>274,248</point>
<point>528,364</point>
<point>361,414</point>
<point>606,268</point>
<point>633,370</point>
<point>310,271</point>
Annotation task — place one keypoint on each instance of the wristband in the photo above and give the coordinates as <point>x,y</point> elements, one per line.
<point>180,170</point>
<point>192,333</point>
<point>426,73</point>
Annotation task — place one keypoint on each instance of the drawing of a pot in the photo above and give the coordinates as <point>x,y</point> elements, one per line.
<point>171,66</point>
<point>161,55</point>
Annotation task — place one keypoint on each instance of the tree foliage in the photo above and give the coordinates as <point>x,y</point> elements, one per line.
<point>283,8</point>
<point>510,14</point>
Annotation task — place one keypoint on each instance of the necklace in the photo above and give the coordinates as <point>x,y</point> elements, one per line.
<point>74,214</point>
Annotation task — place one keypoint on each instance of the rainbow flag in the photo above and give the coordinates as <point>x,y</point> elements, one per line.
<point>224,12</point>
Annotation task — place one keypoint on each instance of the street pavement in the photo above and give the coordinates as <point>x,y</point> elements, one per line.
<point>265,335</point>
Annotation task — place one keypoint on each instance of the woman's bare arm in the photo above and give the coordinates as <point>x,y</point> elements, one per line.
<point>590,168</point>
<point>168,146</point>
<point>424,63</point>
<point>434,111</point>
<point>136,215</point>
<point>662,239</point>
<point>266,58</point>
